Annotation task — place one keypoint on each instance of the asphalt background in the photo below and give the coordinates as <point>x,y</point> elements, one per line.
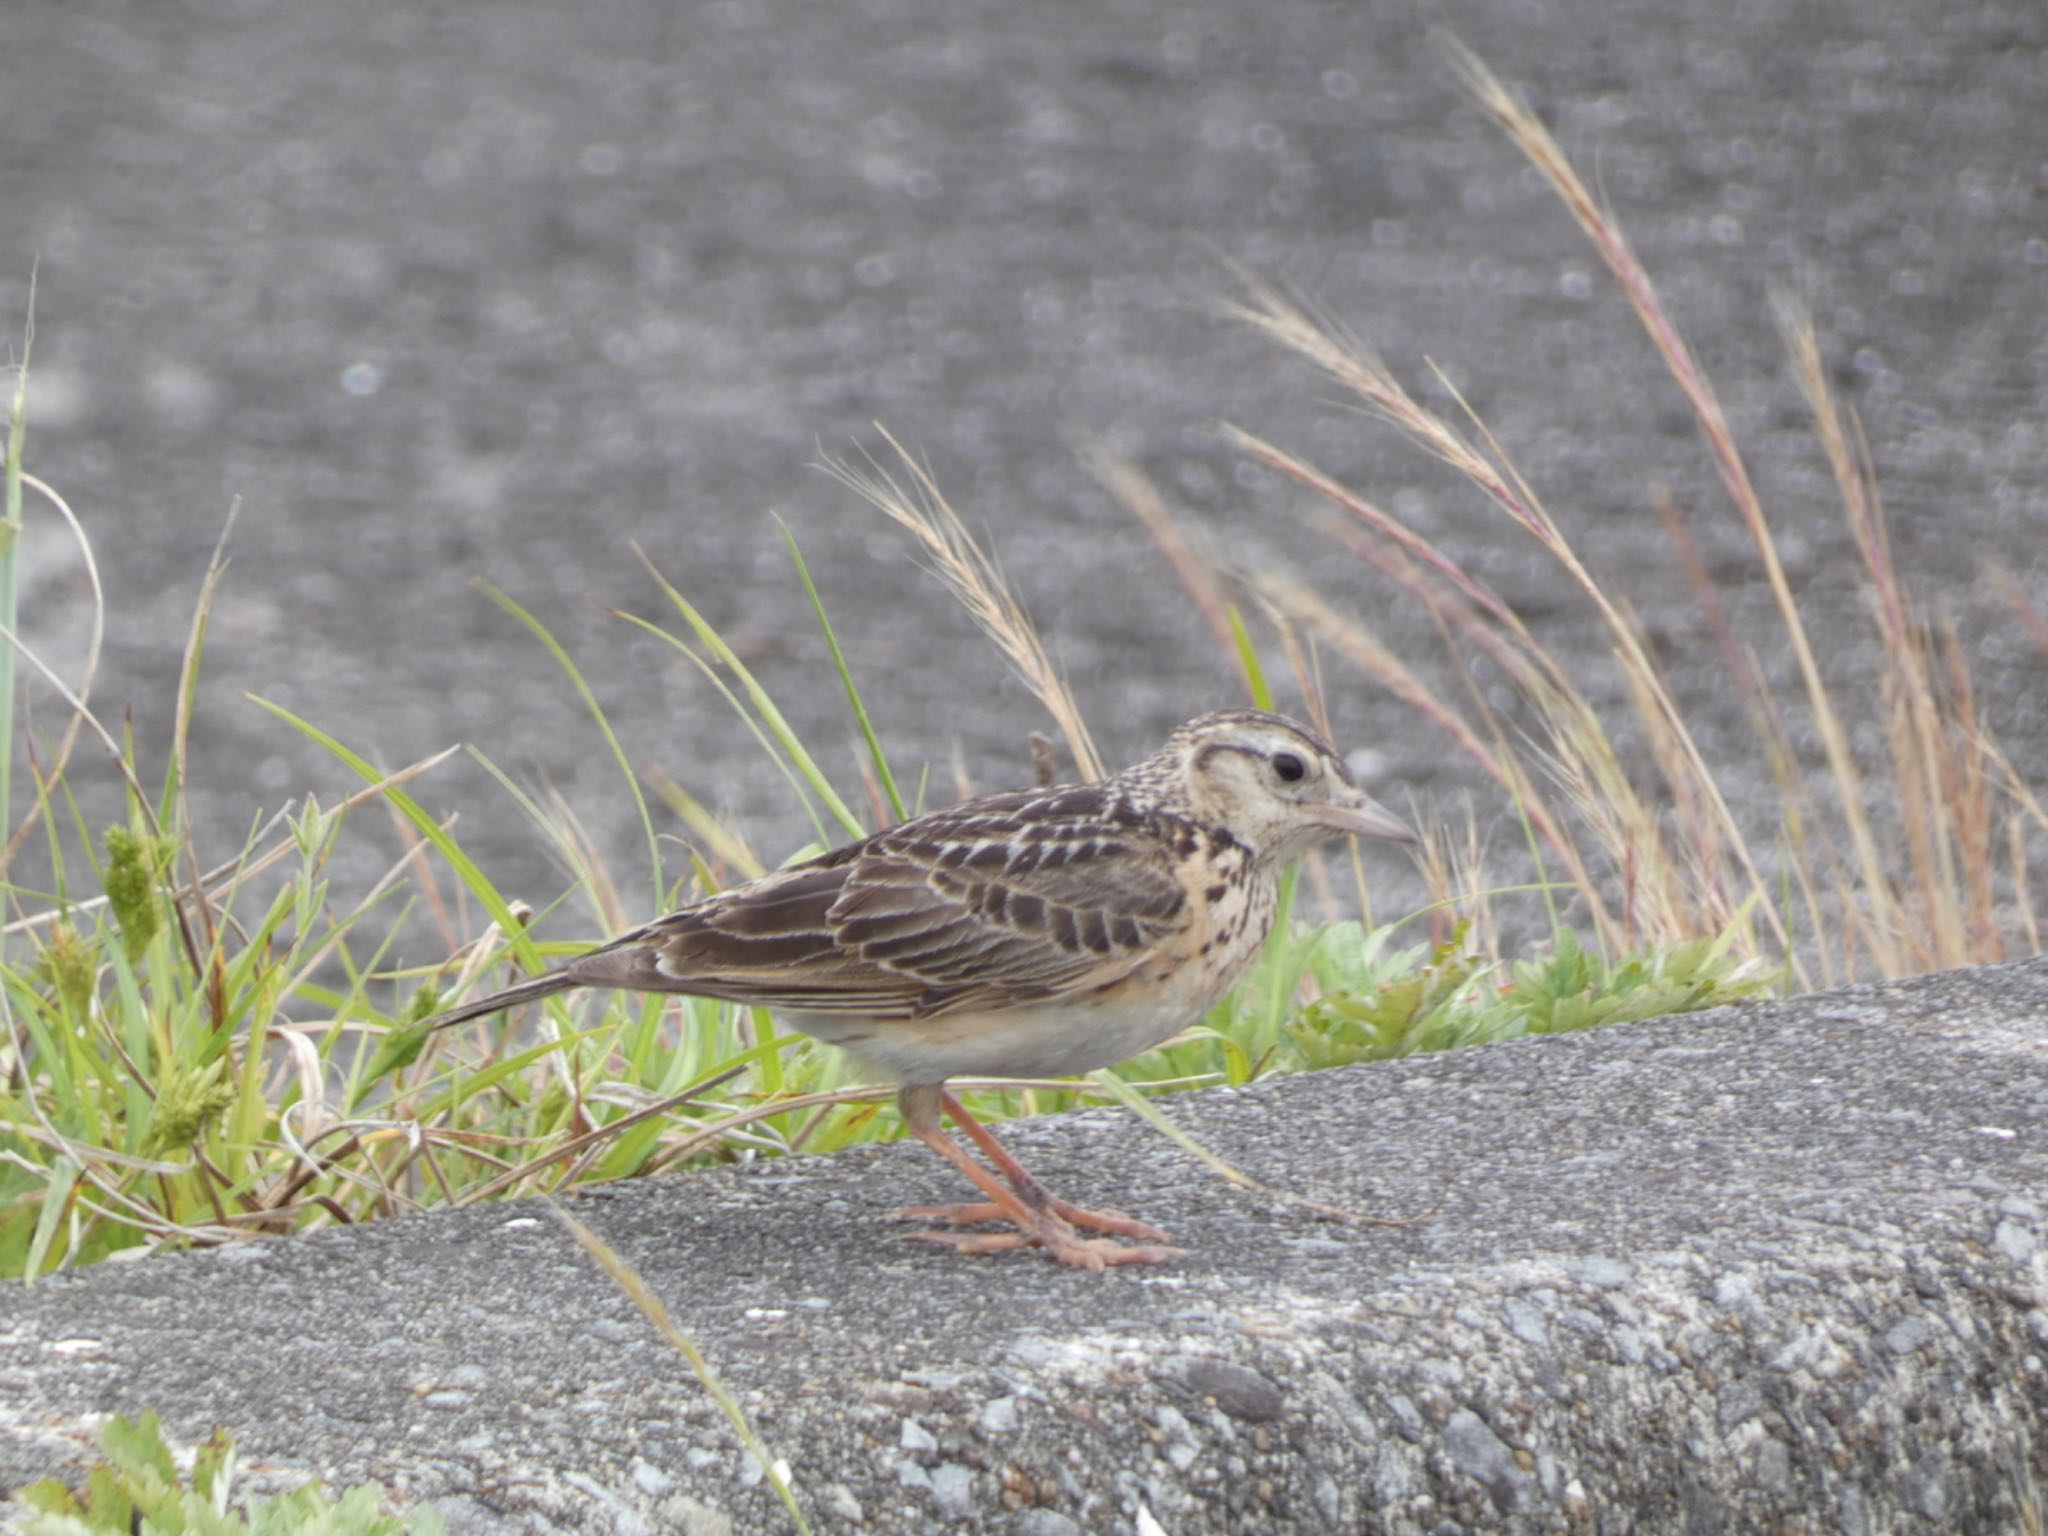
<point>445,292</point>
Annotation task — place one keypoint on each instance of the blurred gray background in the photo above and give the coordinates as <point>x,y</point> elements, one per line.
<point>442,292</point>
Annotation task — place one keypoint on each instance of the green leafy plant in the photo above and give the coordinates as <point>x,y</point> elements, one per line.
<point>138,1490</point>
<point>1372,1004</point>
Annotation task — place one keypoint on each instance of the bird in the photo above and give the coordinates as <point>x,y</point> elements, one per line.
<point>1037,933</point>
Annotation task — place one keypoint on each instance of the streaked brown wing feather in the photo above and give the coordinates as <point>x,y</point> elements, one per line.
<point>1023,897</point>
<point>998,901</point>
<point>766,942</point>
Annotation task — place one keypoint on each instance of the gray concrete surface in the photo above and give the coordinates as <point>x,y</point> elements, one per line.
<point>1782,1267</point>
<point>454,291</point>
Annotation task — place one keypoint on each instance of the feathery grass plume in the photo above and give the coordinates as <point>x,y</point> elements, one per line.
<point>1191,564</point>
<point>974,579</point>
<point>1604,231</point>
<point>1948,919</point>
<point>1675,865</point>
<point>1632,834</point>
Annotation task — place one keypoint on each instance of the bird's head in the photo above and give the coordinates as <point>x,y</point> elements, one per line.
<point>1278,786</point>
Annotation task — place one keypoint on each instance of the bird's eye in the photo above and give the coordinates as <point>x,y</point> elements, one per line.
<point>1290,768</point>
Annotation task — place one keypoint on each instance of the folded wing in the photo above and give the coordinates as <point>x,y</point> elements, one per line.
<point>996,902</point>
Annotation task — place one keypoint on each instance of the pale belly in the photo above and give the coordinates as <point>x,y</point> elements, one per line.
<point>1052,1039</point>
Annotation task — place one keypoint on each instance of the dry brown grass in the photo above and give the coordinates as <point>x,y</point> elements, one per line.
<point>1912,859</point>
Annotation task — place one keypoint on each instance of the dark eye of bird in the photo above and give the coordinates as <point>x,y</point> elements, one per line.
<point>1290,768</point>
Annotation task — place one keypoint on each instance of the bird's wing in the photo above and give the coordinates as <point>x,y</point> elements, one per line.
<point>996,902</point>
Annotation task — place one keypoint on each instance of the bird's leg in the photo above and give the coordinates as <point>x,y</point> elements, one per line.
<point>1039,1219</point>
<point>1034,1193</point>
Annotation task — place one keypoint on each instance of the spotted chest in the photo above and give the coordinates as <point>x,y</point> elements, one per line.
<point>1229,900</point>
<point>1232,901</point>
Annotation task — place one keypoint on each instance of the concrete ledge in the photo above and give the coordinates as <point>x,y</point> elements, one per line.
<point>1778,1267</point>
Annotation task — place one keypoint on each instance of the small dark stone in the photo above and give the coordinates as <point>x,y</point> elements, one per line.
<point>1239,1391</point>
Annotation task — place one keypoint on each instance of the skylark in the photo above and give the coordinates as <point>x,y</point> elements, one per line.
<point>1031,934</point>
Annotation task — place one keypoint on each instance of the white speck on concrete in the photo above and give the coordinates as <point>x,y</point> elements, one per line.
<point>2016,1241</point>
<point>999,1416</point>
<point>840,1503</point>
<point>953,1487</point>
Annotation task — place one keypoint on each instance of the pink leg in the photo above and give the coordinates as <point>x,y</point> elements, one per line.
<point>1040,1220</point>
<point>1033,1193</point>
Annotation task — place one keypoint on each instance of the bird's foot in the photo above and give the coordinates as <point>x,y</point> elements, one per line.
<point>1047,1230</point>
<point>1116,1223</point>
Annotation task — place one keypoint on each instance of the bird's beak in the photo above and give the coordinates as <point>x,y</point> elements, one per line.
<point>1358,814</point>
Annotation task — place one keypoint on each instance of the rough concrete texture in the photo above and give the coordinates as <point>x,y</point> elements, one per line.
<point>1781,1267</point>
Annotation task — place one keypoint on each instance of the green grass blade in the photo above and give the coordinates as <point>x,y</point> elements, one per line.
<point>10,557</point>
<point>1285,959</point>
<point>604,726</point>
<point>56,1202</point>
<point>439,1096</point>
<point>860,710</point>
<point>771,1058</point>
<point>1248,658</point>
<point>775,756</point>
<point>465,868</point>
<point>765,707</point>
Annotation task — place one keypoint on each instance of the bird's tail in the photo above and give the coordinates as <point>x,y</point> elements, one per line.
<point>531,990</point>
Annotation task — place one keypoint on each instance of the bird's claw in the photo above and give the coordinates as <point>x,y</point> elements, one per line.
<point>1115,1223</point>
<point>1049,1231</point>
